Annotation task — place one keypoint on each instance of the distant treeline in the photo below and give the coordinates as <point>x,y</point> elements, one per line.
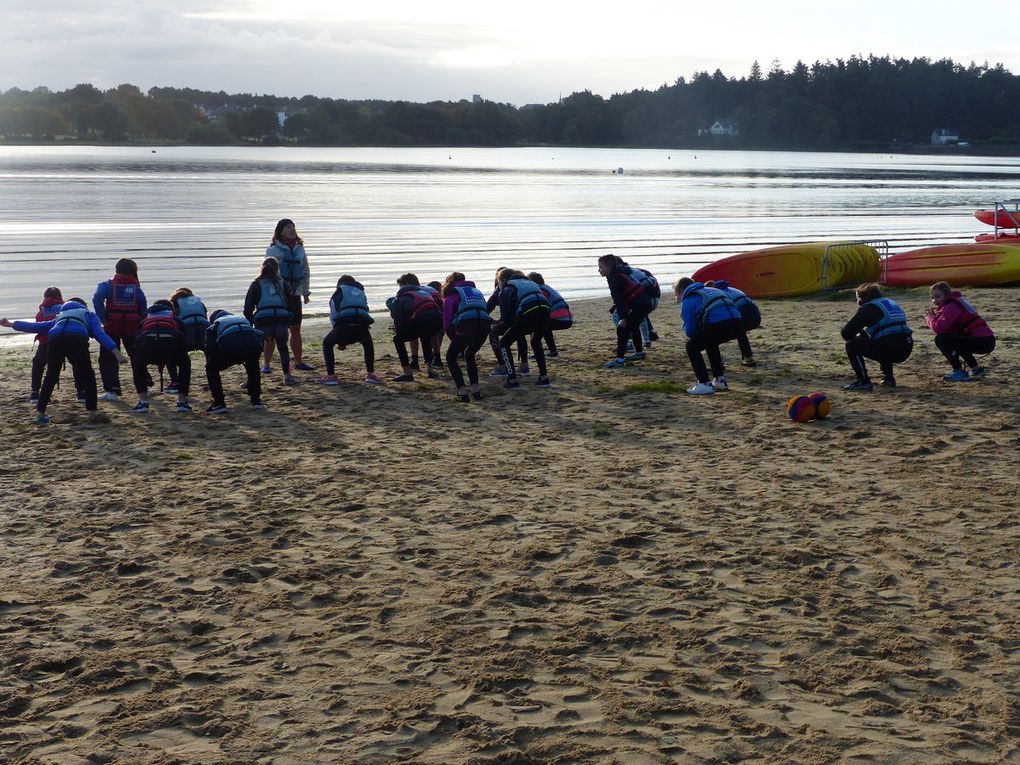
<point>853,104</point>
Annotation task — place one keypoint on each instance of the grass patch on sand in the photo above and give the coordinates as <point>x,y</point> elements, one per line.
<point>601,430</point>
<point>659,386</point>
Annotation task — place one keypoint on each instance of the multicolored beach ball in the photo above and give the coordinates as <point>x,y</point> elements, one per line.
<point>822,404</point>
<point>801,409</point>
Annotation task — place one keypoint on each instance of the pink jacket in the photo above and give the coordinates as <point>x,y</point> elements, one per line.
<point>958,317</point>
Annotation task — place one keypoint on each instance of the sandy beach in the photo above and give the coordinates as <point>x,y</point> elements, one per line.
<point>609,571</point>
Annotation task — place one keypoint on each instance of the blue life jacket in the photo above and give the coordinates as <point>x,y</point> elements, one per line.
<point>472,305</point>
<point>739,298</point>
<point>558,308</point>
<point>293,264</point>
<point>529,296</point>
<point>352,305</point>
<point>229,325</point>
<point>273,304</point>
<point>69,319</point>
<point>190,311</point>
<point>716,307</point>
<point>648,282</point>
<point>892,323</point>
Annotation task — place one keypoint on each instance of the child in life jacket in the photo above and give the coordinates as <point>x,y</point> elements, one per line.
<point>48,309</point>
<point>710,319</point>
<point>466,322</point>
<point>878,331</point>
<point>191,314</point>
<point>119,303</point>
<point>231,340</point>
<point>560,317</point>
<point>750,318</point>
<point>960,332</point>
<point>289,250</point>
<point>348,312</point>
<point>267,306</point>
<point>417,313</point>
<point>68,336</point>
<point>525,311</point>
<point>632,291</point>
<point>160,341</point>
<point>499,327</point>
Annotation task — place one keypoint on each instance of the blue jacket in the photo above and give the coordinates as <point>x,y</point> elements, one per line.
<point>57,327</point>
<point>696,297</point>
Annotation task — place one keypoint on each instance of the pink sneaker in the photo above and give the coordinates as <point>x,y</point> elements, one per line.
<point>373,379</point>
<point>328,380</point>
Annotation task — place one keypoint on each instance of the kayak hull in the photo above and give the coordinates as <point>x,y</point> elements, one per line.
<point>962,265</point>
<point>795,269</point>
<point>1006,218</point>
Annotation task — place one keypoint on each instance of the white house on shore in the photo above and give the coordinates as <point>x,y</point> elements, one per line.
<point>944,136</point>
<point>724,127</point>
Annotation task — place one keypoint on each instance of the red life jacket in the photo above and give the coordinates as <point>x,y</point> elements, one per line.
<point>160,324</point>
<point>423,301</point>
<point>123,308</point>
<point>48,309</point>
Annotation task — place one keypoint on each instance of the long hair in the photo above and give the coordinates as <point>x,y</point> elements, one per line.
<point>536,277</point>
<point>283,223</point>
<point>449,281</point>
<point>270,269</point>
<point>942,287</point>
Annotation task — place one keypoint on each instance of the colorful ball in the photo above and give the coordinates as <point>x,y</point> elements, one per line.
<point>801,409</point>
<point>822,404</point>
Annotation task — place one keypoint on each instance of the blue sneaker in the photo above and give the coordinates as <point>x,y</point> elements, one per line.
<point>303,367</point>
<point>267,369</point>
<point>957,375</point>
<point>978,372</point>
<point>141,407</point>
<point>41,419</point>
<point>638,356</point>
<point>614,363</point>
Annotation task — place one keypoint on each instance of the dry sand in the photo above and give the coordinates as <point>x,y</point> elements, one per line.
<point>593,573</point>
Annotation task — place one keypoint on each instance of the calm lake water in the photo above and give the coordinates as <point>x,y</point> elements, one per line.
<point>202,217</point>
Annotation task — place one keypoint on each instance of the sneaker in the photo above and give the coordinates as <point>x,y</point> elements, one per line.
<point>266,369</point>
<point>403,378</point>
<point>217,409</point>
<point>464,398</point>
<point>701,389</point>
<point>109,396</point>
<point>373,379</point>
<point>748,362</point>
<point>41,419</point>
<point>141,407</point>
<point>477,395</point>
<point>957,375</point>
<point>553,355</point>
<point>81,397</point>
<point>720,384</point>
<point>433,375</point>
<point>652,336</point>
<point>33,397</point>
<point>183,406</point>
<point>98,418</point>
<point>512,385</point>
<point>614,363</point>
<point>244,385</point>
<point>303,367</point>
<point>257,406</point>
<point>171,389</point>
<point>978,372</point>
<point>499,371</point>
<point>328,380</point>
<point>888,382</point>
<point>415,366</point>
<point>648,345</point>
<point>636,356</point>
<point>523,370</point>
<point>290,380</point>
<point>861,386</point>
<point>543,382</point>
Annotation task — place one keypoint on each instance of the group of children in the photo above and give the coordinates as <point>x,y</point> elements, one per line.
<point>530,312</point>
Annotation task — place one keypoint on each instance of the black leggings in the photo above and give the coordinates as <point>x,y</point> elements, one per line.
<point>249,357</point>
<point>165,351</point>
<point>555,325</point>
<point>886,351</point>
<point>348,334</point>
<point>534,323</point>
<point>632,331</point>
<point>709,339</point>
<point>497,330</point>
<point>470,337</point>
<point>750,318</point>
<point>280,333</point>
<point>75,349</point>
<point>109,367</point>
<point>42,352</point>
<point>423,330</point>
<point>955,347</point>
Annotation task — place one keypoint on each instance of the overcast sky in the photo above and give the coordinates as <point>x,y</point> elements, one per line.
<point>516,51</point>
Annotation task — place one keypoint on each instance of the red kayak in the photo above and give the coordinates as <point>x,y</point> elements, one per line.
<point>1006,218</point>
<point>1004,238</point>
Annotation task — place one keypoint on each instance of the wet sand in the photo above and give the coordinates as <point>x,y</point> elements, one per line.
<point>609,571</point>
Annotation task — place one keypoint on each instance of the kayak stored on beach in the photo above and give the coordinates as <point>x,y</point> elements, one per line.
<point>1006,218</point>
<point>962,265</point>
<point>796,269</point>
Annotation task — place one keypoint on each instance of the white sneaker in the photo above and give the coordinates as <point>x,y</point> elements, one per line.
<point>701,389</point>
<point>719,383</point>
<point>109,396</point>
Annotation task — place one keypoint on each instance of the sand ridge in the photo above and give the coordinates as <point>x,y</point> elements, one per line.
<point>607,571</point>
